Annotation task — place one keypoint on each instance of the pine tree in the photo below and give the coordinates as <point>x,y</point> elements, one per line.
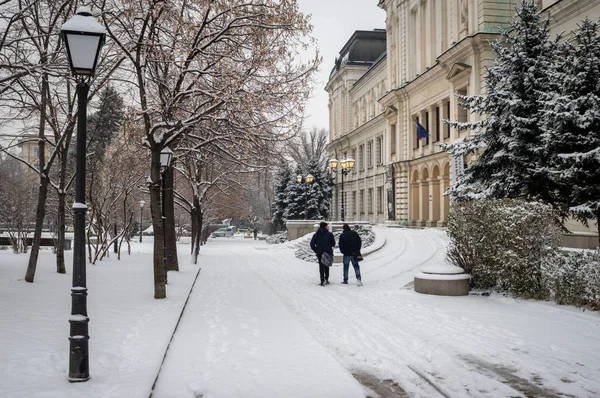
<point>572,137</point>
<point>512,163</point>
<point>105,122</point>
<point>318,201</point>
<point>284,178</point>
<point>296,198</point>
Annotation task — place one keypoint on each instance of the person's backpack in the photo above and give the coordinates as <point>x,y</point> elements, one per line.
<point>327,259</point>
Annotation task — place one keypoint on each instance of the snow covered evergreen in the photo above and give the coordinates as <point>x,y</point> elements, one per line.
<point>296,198</point>
<point>319,192</point>
<point>284,178</point>
<point>572,124</point>
<point>301,200</point>
<point>512,163</point>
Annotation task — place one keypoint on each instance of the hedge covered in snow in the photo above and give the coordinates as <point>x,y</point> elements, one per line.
<point>280,237</point>
<point>573,277</point>
<point>514,245</point>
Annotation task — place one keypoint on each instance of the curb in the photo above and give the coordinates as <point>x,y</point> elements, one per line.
<point>173,334</point>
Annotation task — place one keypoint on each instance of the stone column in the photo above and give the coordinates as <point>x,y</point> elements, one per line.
<point>443,186</point>
<point>422,202</point>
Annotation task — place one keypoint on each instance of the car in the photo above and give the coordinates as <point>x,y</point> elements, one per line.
<point>223,233</point>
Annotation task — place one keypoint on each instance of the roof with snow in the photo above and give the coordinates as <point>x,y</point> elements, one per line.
<point>363,48</point>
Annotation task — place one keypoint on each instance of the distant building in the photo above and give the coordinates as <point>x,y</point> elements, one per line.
<point>357,125</point>
<point>434,50</point>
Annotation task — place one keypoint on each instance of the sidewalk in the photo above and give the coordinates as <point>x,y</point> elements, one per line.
<point>236,339</point>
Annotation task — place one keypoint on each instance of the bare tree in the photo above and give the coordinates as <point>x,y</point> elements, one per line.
<point>194,60</point>
<point>311,145</point>
<point>41,94</point>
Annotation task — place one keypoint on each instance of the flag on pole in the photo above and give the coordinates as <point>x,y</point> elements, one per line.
<point>421,131</point>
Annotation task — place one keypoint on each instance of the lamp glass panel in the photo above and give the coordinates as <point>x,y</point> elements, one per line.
<point>165,159</point>
<point>83,50</point>
<point>350,163</point>
<point>310,178</point>
<point>333,163</point>
<point>299,178</point>
<point>344,164</point>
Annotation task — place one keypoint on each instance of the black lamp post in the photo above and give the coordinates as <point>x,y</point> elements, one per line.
<point>142,203</point>
<point>84,38</point>
<point>165,161</point>
<point>347,165</point>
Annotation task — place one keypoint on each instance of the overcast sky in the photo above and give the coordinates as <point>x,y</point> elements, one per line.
<point>334,21</point>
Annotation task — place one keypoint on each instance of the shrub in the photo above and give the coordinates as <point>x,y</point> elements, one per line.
<point>503,243</point>
<point>573,277</point>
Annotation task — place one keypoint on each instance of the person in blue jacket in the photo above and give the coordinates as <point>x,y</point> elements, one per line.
<point>323,242</point>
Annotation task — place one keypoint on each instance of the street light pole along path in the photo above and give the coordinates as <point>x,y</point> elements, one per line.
<point>347,165</point>
<point>165,161</point>
<point>142,203</point>
<point>84,38</point>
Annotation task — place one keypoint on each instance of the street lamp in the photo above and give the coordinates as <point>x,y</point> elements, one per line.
<point>142,203</point>
<point>309,179</point>
<point>165,161</point>
<point>84,37</point>
<point>347,165</point>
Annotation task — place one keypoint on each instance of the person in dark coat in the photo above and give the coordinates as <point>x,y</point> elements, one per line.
<point>255,232</point>
<point>323,242</point>
<point>350,245</point>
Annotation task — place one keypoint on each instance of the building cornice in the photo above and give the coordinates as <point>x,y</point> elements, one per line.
<point>444,63</point>
<point>357,131</point>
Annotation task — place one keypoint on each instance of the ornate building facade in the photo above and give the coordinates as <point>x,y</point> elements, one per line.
<point>435,50</point>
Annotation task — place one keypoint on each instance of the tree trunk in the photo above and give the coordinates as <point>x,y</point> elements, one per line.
<point>160,290</point>
<point>37,235</point>
<point>171,235</point>
<point>60,239</point>
<point>598,227</point>
<point>44,181</point>
<point>195,230</point>
<point>197,220</point>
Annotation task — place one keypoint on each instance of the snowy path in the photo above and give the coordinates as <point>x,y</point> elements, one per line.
<point>257,313</point>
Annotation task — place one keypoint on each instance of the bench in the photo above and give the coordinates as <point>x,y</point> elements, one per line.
<point>44,242</point>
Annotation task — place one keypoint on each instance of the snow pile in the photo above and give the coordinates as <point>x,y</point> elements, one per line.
<point>280,237</point>
<point>367,236</point>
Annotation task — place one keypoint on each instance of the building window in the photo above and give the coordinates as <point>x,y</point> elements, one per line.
<point>370,201</point>
<point>378,150</point>
<point>447,126</point>
<point>380,200</point>
<point>393,139</point>
<point>370,154</point>
<point>416,139</point>
<point>436,131</point>
<point>362,201</point>
<point>36,152</point>
<point>361,157</point>
<point>353,202</point>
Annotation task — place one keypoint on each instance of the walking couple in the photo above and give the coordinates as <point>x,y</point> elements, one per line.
<point>350,245</point>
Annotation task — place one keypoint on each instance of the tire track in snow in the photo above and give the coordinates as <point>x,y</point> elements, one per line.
<point>380,344</point>
<point>376,339</point>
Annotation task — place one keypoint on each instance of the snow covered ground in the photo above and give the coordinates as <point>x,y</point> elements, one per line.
<point>258,325</point>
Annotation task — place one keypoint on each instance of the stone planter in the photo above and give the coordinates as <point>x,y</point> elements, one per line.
<point>442,280</point>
